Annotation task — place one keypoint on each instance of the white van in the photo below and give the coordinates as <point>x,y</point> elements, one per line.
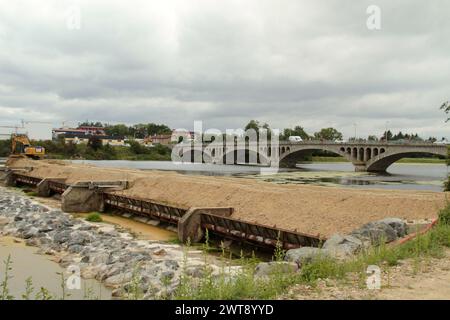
<point>295,139</point>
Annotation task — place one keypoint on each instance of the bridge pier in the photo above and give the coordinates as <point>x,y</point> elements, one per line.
<point>189,226</point>
<point>360,167</point>
<point>88,196</point>
<point>288,163</point>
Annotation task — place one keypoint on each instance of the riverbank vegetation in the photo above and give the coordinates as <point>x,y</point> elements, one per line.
<point>94,151</point>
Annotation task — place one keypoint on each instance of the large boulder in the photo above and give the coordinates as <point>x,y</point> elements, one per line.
<point>375,233</point>
<point>118,279</point>
<point>304,255</point>
<point>399,225</point>
<point>342,247</point>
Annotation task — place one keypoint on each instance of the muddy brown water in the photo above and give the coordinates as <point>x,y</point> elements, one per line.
<point>27,263</point>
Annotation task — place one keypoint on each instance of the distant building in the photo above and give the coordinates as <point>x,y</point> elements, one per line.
<point>164,139</point>
<point>86,130</point>
<point>95,131</point>
<point>113,141</point>
<point>81,138</point>
<point>75,138</point>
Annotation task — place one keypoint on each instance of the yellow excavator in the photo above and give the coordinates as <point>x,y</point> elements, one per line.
<point>21,147</point>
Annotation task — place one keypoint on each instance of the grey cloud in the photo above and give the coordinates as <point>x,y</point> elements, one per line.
<point>283,62</point>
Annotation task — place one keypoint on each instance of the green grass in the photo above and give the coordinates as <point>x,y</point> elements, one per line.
<point>329,159</point>
<point>94,217</point>
<point>422,160</point>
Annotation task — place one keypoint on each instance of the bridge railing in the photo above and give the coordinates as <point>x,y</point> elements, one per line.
<point>328,142</point>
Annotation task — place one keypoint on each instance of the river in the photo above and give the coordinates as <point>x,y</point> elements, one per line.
<point>399,176</point>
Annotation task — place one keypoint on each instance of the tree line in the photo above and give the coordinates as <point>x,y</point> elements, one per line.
<point>95,150</point>
<point>333,134</point>
<point>137,131</point>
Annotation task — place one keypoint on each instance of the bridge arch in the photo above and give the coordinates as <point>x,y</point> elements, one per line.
<point>243,156</point>
<point>291,157</point>
<point>382,162</point>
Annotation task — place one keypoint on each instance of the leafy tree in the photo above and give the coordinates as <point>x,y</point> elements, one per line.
<point>137,148</point>
<point>297,131</point>
<point>253,124</point>
<point>257,126</point>
<point>90,124</point>
<point>95,143</point>
<point>5,147</point>
<point>157,129</point>
<point>372,138</point>
<point>387,135</point>
<point>328,134</point>
<point>117,130</point>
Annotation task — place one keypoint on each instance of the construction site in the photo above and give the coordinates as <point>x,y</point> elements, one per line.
<point>242,210</point>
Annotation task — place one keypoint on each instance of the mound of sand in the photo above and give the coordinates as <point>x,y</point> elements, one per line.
<point>309,209</point>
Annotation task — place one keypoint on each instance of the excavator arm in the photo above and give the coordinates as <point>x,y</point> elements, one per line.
<point>26,149</point>
<point>19,139</point>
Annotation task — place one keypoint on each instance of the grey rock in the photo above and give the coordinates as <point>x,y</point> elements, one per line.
<point>269,268</point>
<point>99,258</point>
<point>342,246</point>
<point>79,237</point>
<point>62,237</point>
<point>32,232</point>
<point>45,229</point>
<point>114,270</point>
<point>304,255</point>
<point>118,279</point>
<point>153,270</point>
<point>76,248</point>
<point>172,264</point>
<point>375,232</point>
<point>398,225</point>
<point>195,271</point>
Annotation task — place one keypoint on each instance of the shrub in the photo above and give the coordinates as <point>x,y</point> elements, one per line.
<point>444,216</point>
<point>94,217</point>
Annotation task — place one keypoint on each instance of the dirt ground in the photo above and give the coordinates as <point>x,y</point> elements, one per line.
<point>309,209</point>
<point>411,280</point>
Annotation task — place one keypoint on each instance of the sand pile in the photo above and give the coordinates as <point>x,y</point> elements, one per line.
<point>309,209</point>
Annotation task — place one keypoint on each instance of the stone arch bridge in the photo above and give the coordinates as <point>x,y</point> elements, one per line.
<point>365,156</point>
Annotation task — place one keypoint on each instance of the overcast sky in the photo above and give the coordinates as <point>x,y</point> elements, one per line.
<point>285,62</point>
